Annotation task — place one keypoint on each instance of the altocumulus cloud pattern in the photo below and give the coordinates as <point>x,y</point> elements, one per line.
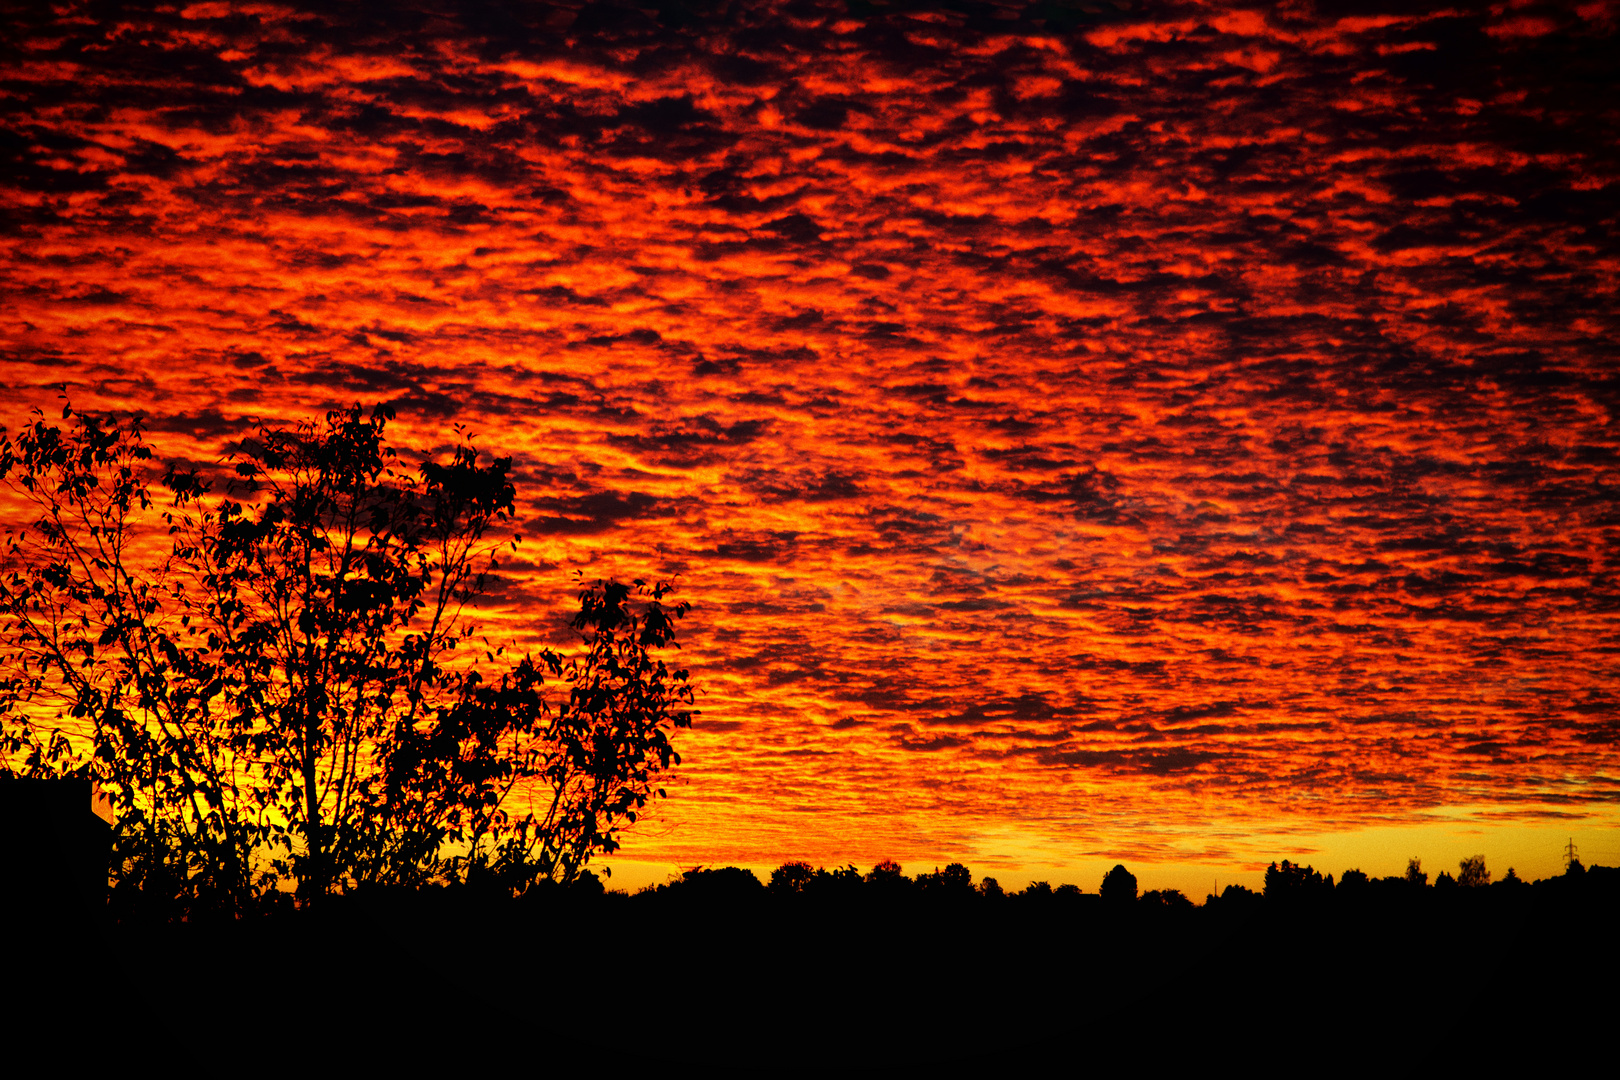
<point>1106,418</point>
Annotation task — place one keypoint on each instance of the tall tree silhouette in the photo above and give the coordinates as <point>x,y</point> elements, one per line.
<point>1118,886</point>
<point>276,681</point>
<point>1292,882</point>
<point>791,877</point>
<point>1471,872</point>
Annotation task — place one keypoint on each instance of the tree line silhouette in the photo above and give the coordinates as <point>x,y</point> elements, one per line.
<point>841,965</point>
<point>1287,887</point>
<point>74,856</point>
<point>307,756</point>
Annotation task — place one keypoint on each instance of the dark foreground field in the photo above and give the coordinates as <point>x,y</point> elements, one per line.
<point>745,979</point>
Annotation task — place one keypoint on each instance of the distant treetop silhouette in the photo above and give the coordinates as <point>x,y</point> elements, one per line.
<point>1471,872</point>
<point>1118,886</point>
<point>1290,881</point>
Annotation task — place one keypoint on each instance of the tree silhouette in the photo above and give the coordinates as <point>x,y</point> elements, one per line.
<point>290,691</point>
<point>1118,886</point>
<point>1290,882</point>
<point>791,877</point>
<point>953,881</point>
<point>1471,872</point>
<point>1165,900</point>
<point>887,875</point>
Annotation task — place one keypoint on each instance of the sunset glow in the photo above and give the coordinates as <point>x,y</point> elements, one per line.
<point>1163,433</point>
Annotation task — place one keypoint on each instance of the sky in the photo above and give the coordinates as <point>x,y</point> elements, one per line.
<point>1160,433</point>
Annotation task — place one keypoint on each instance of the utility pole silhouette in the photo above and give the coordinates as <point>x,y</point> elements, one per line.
<point>1569,853</point>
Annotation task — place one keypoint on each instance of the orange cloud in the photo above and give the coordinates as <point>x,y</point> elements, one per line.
<point>1137,432</point>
